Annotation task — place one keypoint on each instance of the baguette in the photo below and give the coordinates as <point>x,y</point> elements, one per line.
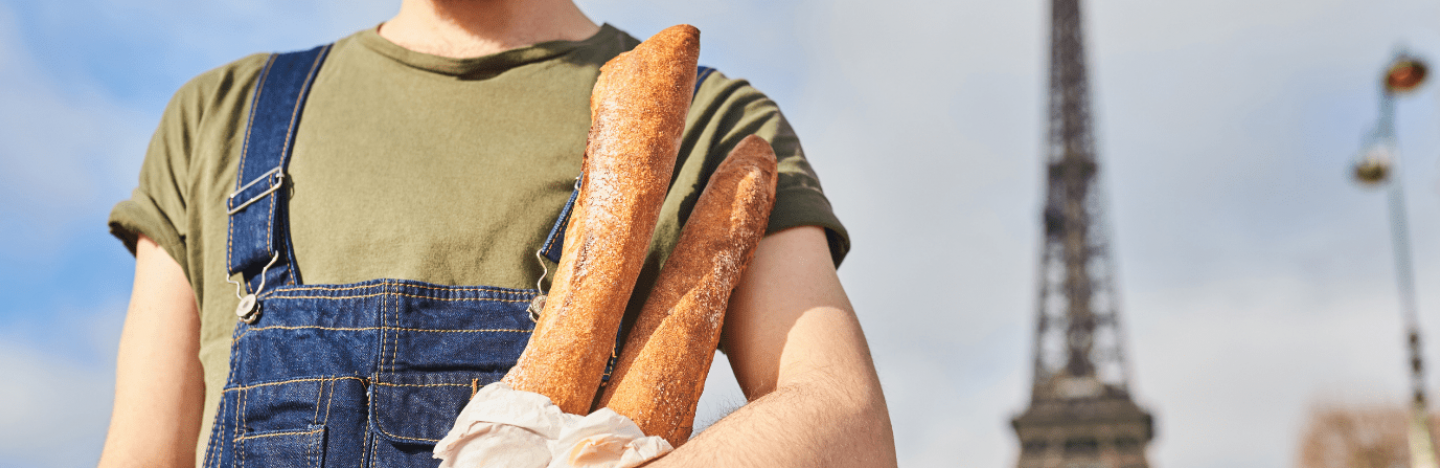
<point>661,372</point>
<point>637,115</point>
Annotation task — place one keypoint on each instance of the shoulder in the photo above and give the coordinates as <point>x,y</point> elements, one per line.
<point>715,88</point>
<point>214,95</point>
<point>216,85</point>
<point>727,109</point>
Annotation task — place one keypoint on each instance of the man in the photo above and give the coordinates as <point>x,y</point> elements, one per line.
<point>426,148</point>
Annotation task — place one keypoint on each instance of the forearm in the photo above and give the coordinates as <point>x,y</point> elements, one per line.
<point>159,391</point>
<point>831,415</point>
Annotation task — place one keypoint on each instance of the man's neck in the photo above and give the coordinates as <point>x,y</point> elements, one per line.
<point>473,28</point>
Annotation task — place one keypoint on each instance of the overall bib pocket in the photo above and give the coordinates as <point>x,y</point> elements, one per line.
<point>437,347</point>
<point>303,448</point>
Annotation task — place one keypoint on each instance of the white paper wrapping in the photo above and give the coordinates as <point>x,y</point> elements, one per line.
<point>503,427</point>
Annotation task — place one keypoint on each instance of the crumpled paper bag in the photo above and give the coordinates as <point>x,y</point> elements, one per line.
<point>504,427</point>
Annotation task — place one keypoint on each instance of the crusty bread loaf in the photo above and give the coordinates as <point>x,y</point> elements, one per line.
<point>637,112</point>
<point>661,372</point>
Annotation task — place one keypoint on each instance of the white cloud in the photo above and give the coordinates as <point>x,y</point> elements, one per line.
<point>58,395</point>
<point>1236,363</point>
<point>56,411</point>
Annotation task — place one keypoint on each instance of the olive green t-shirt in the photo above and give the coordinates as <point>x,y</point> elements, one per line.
<point>419,167</point>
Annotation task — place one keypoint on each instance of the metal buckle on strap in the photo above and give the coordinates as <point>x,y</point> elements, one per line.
<point>279,181</point>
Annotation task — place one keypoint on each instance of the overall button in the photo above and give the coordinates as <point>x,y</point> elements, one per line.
<point>537,305</point>
<point>249,309</point>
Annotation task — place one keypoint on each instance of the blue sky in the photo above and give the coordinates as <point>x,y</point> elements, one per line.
<point>1256,279</point>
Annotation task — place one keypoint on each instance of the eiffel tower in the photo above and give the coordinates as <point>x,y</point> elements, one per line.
<point>1081,414</point>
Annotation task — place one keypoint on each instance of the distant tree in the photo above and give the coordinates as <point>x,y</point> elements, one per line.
<point>1338,436</point>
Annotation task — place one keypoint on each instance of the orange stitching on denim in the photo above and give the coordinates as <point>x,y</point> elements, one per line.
<point>244,421</point>
<point>322,288</point>
<point>330,402</point>
<point>312,447</point>
<point>240,334</point>
<point>309,327</point>
<point>383,431</point>
<point>235,359</point>
<point>461,299</point>
<point>326,298</point>
<point>389,338</point>
<point>468,288</point>
<point>435,330</point>
<point>270,223</point>
<point>216,426</point>
<point>275,434</point>
<point>446,299</point>
<point>486,330</point>
<point>210,444</point>
<point>283,382</point>
<point>318,395</point>
<point>416,286</point>
<point>388,384</point>
<point>384,341</point>
<point>236,419</point>
<point>422,330</point>
<point>317,452</point>
<point>395,356</point>
<point>385,334</point>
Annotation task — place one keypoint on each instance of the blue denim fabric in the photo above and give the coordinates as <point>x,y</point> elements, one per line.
<point>366,374</point>
<point>369,374</point>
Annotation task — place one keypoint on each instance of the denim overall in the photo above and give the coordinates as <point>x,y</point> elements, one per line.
<point>355,375</point>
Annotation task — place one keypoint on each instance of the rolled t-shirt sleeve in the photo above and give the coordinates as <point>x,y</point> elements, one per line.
<point>142,215</point>
<point>157,206</point>
<point>736,110</point>
<point>799,200</point>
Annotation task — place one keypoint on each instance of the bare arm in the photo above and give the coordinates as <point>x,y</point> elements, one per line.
<point>801,358</point>
<point>159,387</point>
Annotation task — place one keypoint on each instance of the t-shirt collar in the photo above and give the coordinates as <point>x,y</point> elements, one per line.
<point>372,40</point>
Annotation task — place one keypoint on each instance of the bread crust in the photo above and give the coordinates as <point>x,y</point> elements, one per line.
<point>638,110</point>
<point>661,372</point>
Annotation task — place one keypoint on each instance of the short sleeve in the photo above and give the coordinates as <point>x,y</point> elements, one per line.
<point>731,110</point>
<point>157,206</point>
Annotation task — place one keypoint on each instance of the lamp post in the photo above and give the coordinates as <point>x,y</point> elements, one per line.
<point>1377,166</point>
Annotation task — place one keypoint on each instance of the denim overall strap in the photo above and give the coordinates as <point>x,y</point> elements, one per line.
<point>257,208</point>
<point>556,240</point>
<point>701,72</point>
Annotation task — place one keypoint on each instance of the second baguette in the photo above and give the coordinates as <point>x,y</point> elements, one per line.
<point>661,372</point>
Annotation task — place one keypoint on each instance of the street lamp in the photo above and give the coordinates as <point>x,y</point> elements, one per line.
<point>1376,166</point>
